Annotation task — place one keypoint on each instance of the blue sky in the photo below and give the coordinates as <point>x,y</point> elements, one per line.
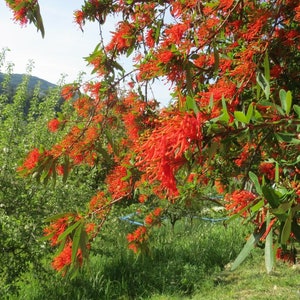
<point>63,48</point>
<point>60,52</point>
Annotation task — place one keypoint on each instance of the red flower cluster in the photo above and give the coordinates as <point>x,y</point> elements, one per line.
<point>53,125</point>
<point>31,161</point>
<point>56,228</point>
<point>154,217</point>
<point>64,258</point>
<point>21,8</point>
<point>118,185</point>
<point>288,256</point>
<point>238,201</point>
<point>162,153</point>
<point>122,38</point>
<point>267,169</point>
<point>137,238</point>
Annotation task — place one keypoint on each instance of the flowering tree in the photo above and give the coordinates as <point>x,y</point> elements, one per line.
<point>233,123</point>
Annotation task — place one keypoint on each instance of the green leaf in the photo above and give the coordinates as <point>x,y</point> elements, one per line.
<point>256,183</point>
<point>267,67</point>
<point>216,57</point>
<point>224,116</point>
<point>66,168</point>
<point>288,102</point>
<point>257,206</point>
<point>277,172</point>
<point>286,230</point>
<point>271,196</point>
<point>285,100</point>
<point>297,109</point>
<point>258,116</point>
<point>249,246</point>
<point>191,104</point>
<point>296,229</point>
<point>287,138</point>
<point>281,211</point>
<point>269,254</point>
<point>53,172</point>
<point>282,97</point>
<point>111,142</point>
<point>157,30</point>
<point>69,230</point>
<point>240,116</point>
<point>82,244</point>
<point>212,149</point>
<point>58,216</point>
<point>249,113</point>
<point>37,19</point>
<point>264,84</point>
<point>76,241</point>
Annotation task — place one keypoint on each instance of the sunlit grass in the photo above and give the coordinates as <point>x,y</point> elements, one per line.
<point>189,263</point>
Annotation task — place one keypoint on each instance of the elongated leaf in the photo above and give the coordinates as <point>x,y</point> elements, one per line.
<point>267,67</point>
<point>82,244</point>
<point>264,84</point>
<point>249,113</point>
<point>53,172</point>
<point>287,138</point>
<point>216,57</point>
<point>225,116</point>
<point>286,230</point>
<point>58,216</point>
<point>191,104</point>
<point>297,109</point>
<point>240,116</point>
<point>256,183</point>
<point>282,97</point>
<point>212,150</point>
<point>69,230</point>
<point>271,196</point>
<point>76,241</point>
<point>66,168</point>
<point>269,254</point>
<point>249,246</point>
<point>276,172</point>
<point>257,206</point>
<point>288,101</point>
<point>296,229</point>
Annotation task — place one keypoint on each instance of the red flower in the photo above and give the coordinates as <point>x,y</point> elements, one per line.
<point>53,125</point>
<point>55,229</point>
<point>162,152</point>
<point>150,42</point>
<point>67,92</point>
<point>32,159</point>
<point>165,57</point>
<point>238,200</point>
<point>79,18</point>
<point>117,185</point>
<point>122,38</point>
<point>64,258</point>
<point>267,169</point>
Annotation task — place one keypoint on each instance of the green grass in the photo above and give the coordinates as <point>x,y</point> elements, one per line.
<point>189,263</point>
<point>250,281</point>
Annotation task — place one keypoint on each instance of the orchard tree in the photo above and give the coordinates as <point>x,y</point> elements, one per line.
<point>233,67</point>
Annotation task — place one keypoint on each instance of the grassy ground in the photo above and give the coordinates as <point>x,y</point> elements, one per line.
<point>189,263</point>
<point>250,281</point>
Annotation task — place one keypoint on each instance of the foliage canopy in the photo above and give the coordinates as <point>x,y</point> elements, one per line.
<point>233,124</point>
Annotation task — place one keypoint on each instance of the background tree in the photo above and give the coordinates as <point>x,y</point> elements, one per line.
<point>25,111</point>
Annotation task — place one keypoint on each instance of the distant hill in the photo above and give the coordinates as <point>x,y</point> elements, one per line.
<point>16,79</point>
